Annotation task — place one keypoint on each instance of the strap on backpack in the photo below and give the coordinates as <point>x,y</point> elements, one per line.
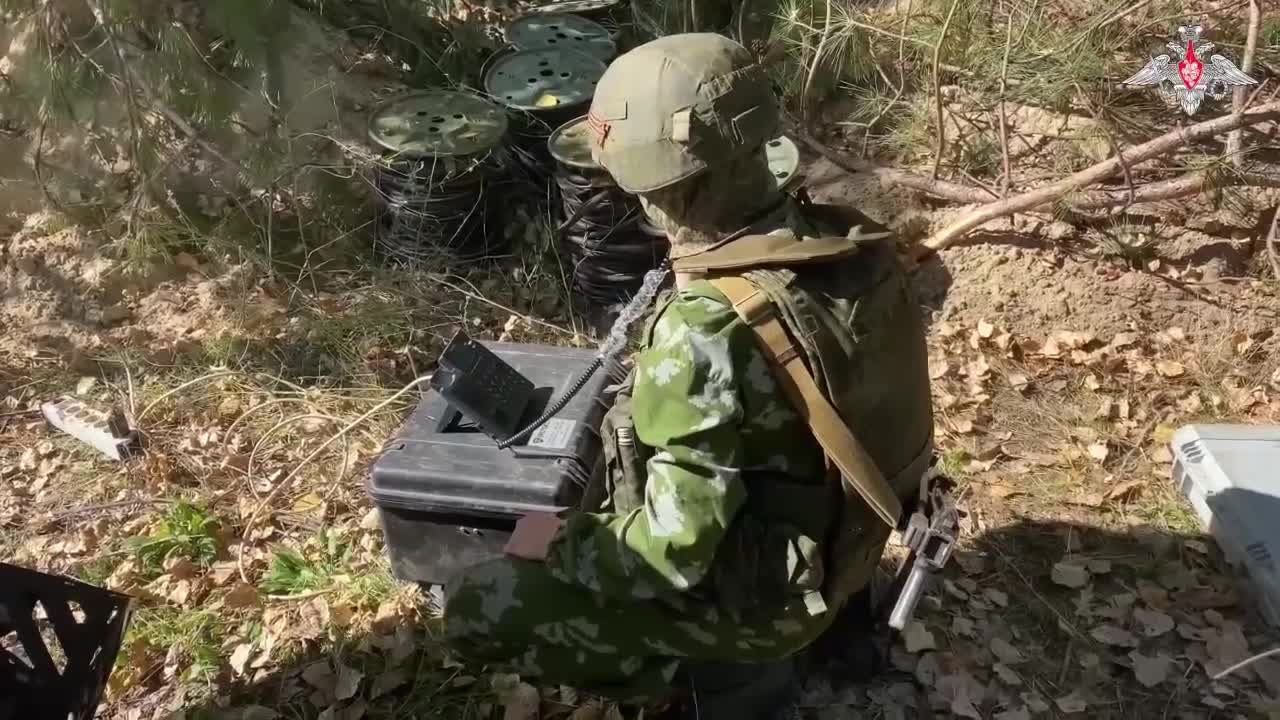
<point>859,475</point>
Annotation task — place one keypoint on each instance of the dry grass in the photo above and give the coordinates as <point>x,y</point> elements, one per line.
<point>225,422</point>
<point>231,414</point>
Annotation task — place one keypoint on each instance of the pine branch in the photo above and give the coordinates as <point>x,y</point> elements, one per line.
<point>1188,184</point>
<point>805,100</point>
<point>126,89</point>
<point>1007,175</point>
<point>1273,246</point>
<point>1050,193</point>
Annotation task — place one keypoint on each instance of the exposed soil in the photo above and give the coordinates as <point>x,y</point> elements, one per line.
<point>1044,465</point>
<point>63,296</point>
<point>1037,276</point>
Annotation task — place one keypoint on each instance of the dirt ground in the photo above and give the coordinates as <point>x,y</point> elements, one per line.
<point>1063,357</point>
<point>1084,586</point>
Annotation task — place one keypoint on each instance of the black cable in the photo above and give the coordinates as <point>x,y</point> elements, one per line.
<point>636,307</point>
<point>529,133</point>
<point>558,405</point>
<point>432,209</point>
<point>603,236</point>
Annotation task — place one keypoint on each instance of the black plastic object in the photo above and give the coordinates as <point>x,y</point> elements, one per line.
<point>486,390</point>
<point>561,403</point>
<point>448,497</point>
<point>65,681</point>
<point>601,231</point>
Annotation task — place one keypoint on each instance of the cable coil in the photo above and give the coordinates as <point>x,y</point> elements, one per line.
<point>426,215</point>
<point>442,159</point>
<point>604,232</point>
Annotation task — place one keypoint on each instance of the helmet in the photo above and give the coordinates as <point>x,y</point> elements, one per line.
<point>671,108</point>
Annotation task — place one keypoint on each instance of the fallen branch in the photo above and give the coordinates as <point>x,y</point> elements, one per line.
<point>186,128</point>
<point>1237,95</point>
<point>1052,192</point>
<point>1188,184</point>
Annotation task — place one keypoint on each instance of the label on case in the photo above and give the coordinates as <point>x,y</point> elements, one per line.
<point>553,435</point>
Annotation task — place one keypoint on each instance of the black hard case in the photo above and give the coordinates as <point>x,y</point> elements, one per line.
<point>447,496</point>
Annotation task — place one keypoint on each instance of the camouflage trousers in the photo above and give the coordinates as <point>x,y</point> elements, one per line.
<point>513,615</point>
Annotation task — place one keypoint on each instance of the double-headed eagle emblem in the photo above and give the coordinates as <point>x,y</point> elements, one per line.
<point>1183,79</point>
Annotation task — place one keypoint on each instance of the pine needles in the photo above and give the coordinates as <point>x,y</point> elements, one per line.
<point>880,60</point>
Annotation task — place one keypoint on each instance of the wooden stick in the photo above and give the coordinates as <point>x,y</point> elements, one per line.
<point>1234,144</point>
<point>1183,186</point>
<point>1003,118</point>
<point>1054,191</point>
<point>817,58</point>
<point>1273,246</point>
<point>937,90</point>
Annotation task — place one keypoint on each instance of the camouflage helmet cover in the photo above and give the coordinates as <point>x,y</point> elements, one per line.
<point>675,106</point>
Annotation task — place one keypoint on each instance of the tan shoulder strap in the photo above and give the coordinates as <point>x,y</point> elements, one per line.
<point>784,249</point>
<point>858,471</point>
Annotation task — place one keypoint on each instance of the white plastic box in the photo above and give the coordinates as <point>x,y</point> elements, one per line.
<point>1231,475</point>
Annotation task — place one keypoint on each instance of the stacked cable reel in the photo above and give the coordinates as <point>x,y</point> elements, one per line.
<point>562,30</point>
<point>613,15</point>
<point>442,155</point>
<point>601,232</point>
<point>546,78</point>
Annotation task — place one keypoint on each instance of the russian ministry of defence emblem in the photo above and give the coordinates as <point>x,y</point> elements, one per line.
<point>1182,76</point>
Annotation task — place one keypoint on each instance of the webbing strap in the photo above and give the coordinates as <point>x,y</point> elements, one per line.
<point>858,472</point>
<point>752,251</point>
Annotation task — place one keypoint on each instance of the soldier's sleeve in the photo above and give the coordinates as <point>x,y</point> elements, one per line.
<point>687,407</point>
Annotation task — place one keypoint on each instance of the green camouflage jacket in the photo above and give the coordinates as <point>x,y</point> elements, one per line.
<point>734,501</point>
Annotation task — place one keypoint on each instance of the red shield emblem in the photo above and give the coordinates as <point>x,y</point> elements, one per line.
<point>1190,68</point>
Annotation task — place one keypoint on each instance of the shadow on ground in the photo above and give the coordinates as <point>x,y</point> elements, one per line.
<point>1028,615</point>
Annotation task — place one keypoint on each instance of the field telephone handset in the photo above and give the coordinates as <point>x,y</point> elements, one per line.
<point>495,396</point>
<point>482,386</point>
<point>491,393</point>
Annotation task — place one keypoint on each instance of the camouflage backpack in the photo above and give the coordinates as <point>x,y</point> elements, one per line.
<point>843,304</point>
<point>841,330</point>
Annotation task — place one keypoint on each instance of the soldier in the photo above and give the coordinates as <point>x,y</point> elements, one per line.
<point>726,545</point>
